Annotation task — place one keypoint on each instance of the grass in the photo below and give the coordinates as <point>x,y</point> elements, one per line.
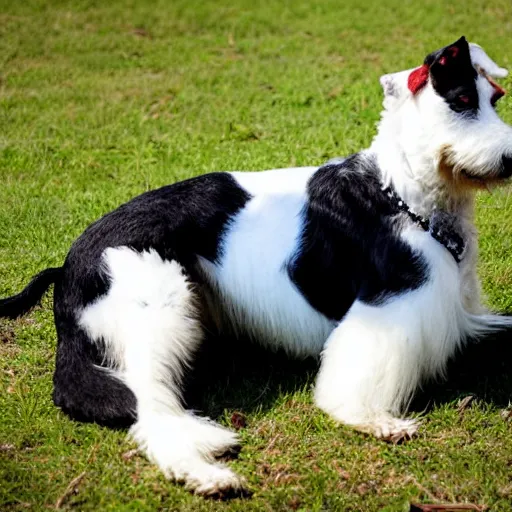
<point>100,101</point>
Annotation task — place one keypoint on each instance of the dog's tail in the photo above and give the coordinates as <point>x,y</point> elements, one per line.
<point>23,302</point>
<point>82,389</point>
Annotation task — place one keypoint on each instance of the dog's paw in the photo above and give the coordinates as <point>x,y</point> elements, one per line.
<point>395,430</point>
<point>215,481</point>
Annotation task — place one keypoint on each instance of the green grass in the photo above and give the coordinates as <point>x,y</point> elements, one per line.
<point>100,101</point>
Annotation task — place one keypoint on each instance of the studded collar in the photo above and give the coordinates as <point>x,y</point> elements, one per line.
<point>442,226</point>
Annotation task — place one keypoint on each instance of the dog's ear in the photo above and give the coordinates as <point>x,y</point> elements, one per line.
<point>389,85</point>
<point>443,66</point>
<point>418,78</point>
<point>453,55</point>
<point>394,86</point>
<point>489,69</point>
<point>481,60</point>
<point>451,67</point>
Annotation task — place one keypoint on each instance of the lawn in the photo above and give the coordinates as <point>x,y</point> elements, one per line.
<point>100,101</point>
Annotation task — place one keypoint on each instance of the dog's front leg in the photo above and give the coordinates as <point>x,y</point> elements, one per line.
<point>370,369</point>
<point>471,290</point>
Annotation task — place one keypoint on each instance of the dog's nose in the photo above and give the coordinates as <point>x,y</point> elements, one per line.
<point>506,164</point>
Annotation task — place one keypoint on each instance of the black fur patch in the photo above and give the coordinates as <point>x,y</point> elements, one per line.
<point>180,221</point>
<point>454,77</point>
<point>81,388</point>
<point>349,247</point>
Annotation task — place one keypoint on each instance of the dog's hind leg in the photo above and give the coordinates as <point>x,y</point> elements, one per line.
<point>371,366</point>
<point>149,323</point>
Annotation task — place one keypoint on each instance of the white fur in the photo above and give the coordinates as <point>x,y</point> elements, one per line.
<point>379,355</point>
<point>414,129</point>
<point>251,277</point>
<point>412,133</point>
<point>149,325</point>
<point>482,60</point>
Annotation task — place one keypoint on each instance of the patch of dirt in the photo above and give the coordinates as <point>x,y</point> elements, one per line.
<point>238,420</point>
<point>7,335</point>
<point>277,474</point>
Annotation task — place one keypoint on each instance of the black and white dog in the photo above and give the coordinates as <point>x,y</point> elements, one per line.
<point>369,262</point>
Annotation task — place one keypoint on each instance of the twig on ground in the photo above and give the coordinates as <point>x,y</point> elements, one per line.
<point>417,507</point>
<point>413,480</point>
<point>130,454</point>
<point>464,403</point>
<point>70,489</point>
<point>271,443</point>
<point>506,414</point>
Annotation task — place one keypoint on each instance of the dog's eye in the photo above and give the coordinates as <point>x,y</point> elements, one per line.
<point>464,103</point>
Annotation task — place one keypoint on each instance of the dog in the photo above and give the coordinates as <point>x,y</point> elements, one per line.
<point>368,262</point>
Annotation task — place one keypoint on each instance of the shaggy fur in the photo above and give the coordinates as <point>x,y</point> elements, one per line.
<point>353,261</point>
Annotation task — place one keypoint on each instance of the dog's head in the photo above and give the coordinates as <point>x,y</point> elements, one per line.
<point>444,110</point>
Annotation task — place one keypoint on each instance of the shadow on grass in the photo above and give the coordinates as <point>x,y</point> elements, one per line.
<point>482,369</point>
<point>237,375</point>
<point>241,376</point>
